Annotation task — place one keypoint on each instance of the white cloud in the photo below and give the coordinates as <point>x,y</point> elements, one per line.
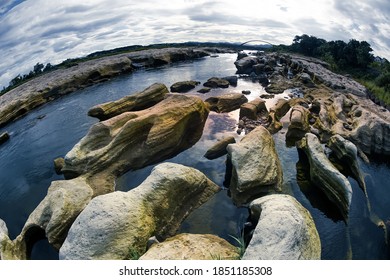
<point>51,31</point>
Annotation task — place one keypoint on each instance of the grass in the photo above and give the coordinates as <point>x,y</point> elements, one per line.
<point>241,246</point>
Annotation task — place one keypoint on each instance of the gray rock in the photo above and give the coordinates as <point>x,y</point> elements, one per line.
<point>325,176</point>
<point>219,148</point>
<point>115,225</point>
<point>245,64</point>
<point>204,90</point>
<point>134,102</point>
<point>285,231</point>
<point>216,83</point>
<point>226,103</point>
<point>232,80</point>
<point>192,247</point>
<point>256,167</point>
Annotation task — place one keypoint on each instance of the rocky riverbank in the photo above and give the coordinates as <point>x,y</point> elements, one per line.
<point>84,217</point>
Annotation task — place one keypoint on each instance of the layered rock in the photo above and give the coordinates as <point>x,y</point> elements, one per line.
<point>52,218</point>
<point>134,102</point>
<point>219,148</point>
<point>192,247</point>
<point>285,231</point>
<point>134,140</point>
<point>184,86</point>
<point>325,176</point>
<point>276,113</point>
<point>256,167</point>
<point>115,224</point>
<point>226,103</point>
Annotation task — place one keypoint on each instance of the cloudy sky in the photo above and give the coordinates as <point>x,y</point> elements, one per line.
<point>45,31</point>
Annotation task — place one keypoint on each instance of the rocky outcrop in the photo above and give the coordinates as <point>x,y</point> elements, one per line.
<point>4,137</point>
<point>134,102</point>
<point>245,64</point>
<point>216,83</point>
<point>256,167</point>
<point>134,140</point>
<point>115,224</point>
<point>325,176</point>
<point>226,103</point>
<point>52,218</point>
<point>219,148</point>
<point>192,247</point>
<point>299,123</point>
<point>55,84</point>
<point>285,231</point>
<point>184,86</point>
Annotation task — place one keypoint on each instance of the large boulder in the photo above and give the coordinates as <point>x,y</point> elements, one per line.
<point>114,225</point>
<point>184,86</point>
<point>256,167</point>
<point>325,176</point>
<point>52,218</point>
<point>226,103</point>
<point>134,140</point>
<point>134,102</point>
<point>192,247</point>
<point>285,231</point>
<point>245,65</point>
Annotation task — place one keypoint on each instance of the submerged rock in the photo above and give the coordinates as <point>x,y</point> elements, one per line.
<point>192,247</point>
<point>135,102</point>
<point>134,140</point>
<point>285,231</point>
<point>256,167</point>
<point>325,176</point>
<point>184,86</point>
<point>226,103</point>
<point>114,225</point>
<point>219,148</point>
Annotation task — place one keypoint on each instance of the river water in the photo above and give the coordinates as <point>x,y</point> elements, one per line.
<point>26,164</point>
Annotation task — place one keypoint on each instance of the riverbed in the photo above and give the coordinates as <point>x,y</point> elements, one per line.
<point>26,163</point>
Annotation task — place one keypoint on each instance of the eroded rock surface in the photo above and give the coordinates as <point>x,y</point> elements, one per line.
<point>285,231</point>
<point>192,247</point>
<point>113,225</point>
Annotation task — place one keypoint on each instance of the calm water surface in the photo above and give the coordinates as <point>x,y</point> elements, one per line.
<point>26,164</point>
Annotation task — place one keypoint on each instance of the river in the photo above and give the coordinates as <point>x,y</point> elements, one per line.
<point>26,164</point>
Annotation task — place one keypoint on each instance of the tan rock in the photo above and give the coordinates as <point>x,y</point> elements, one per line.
<point>226,103</point>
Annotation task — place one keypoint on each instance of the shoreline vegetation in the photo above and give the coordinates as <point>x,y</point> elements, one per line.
<point>353,59</point>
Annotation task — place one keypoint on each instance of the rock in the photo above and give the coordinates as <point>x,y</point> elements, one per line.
<point>134,140</point>
<point>252,109</point>
<point>306,80</point>
<point>267,96</point>
<point>241,55</point>
<point>4,137</point>
<point>245,64</point>
<point>116,224</point>
<point>58,165</point>
<point>216,83</point>
<point>256,167</point>
<point>347,152</point>
<point>246,92</point>
<point>232,80</point>
<point>325,176</point>
<point>285,231</point>
<point>219,149</point>
<point>184,86</point>
<point>299,123</point>
<point>204,90</point>
<point>226,103</point>
<point>135,102</point>
<point>192,247</point>
<point>51,218</point>
<point>5,242</point>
